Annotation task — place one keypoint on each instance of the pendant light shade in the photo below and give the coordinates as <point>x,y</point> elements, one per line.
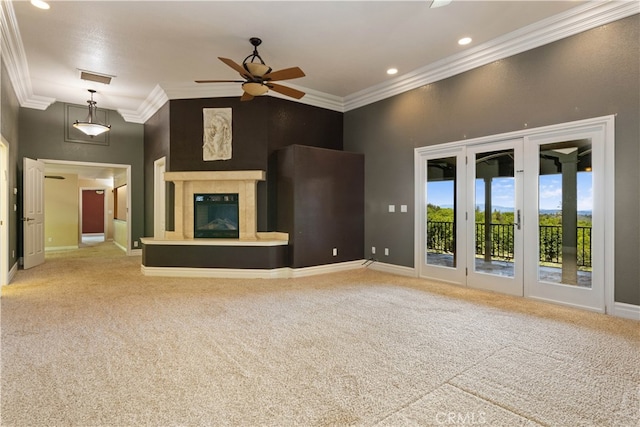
<point>90,126</point>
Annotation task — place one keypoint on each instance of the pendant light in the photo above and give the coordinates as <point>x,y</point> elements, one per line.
<point>90,127</point>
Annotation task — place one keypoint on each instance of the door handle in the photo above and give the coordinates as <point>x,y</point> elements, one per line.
<point>28,219</point>
<point>518,222</point>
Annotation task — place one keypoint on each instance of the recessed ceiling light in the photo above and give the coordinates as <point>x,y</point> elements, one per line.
<point>392,71</point>
<point>439,3</point>
<point>465,40</point>
<point>40,4</point>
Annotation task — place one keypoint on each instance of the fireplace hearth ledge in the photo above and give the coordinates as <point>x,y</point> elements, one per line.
<point>262,239</point>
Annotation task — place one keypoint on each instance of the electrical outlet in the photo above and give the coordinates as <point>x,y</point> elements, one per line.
<point>386,251</point>
<point>403,208</point>
<point>335,251</point>
<point>50,239</point>
<point>373,249</point>
<point>392,208</point>
<point>135,243</point>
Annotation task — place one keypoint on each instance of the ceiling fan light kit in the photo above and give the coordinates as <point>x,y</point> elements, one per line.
<point>255,89</point>
<point>91,127</point>
<point>258,76</point>
<point>256,69</point>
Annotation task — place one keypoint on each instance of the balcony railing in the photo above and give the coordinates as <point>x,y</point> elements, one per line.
<point>441,239</point>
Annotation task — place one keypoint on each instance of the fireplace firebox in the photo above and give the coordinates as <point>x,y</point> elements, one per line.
<point>215,216</point>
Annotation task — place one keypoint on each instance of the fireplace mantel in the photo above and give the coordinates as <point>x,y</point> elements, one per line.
<point>187,184</point>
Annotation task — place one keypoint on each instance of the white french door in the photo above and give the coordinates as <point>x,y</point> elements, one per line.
<point>441,193</point>
<point>566,217</point>
<point>494,217</point>
<point>528,213</point>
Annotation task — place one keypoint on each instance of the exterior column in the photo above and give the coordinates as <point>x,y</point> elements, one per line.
<point>569,217</point>
<point>488,243</point>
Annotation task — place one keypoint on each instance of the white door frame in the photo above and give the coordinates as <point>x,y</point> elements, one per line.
<point>605,124</point>
<point>4,212</point>
<point>159,198</point>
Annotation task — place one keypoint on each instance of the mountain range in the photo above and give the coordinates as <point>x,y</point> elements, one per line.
<point>510,209</point>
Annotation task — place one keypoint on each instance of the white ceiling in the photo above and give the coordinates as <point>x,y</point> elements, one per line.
<point>344,47</point>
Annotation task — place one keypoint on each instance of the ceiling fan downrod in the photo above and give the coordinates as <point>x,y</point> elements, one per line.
<point>254,68</point>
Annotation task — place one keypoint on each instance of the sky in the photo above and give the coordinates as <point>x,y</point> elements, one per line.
<point>440,193</point>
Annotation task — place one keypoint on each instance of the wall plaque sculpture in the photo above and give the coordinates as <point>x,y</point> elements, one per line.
<point>217,134</point>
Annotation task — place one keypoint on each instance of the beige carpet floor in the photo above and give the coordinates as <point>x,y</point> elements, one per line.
<point>87,340</point>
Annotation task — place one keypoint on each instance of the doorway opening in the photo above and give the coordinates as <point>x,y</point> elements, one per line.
<point>78,180</point>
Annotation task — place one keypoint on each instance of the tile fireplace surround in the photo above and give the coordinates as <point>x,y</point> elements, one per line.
<point>243,183</point>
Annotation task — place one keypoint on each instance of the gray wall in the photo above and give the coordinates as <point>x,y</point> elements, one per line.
<point>42,136</point>
<point>592,74</point>
<point>10,108</point>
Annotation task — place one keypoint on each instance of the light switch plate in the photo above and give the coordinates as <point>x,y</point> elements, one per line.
<point>392,208</point>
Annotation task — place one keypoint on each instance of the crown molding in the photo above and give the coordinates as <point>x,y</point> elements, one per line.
<point>161,94</point>
<point>573,21</point>
<point>16,62</point>
<point>156,99</point>
<point>191,90</point>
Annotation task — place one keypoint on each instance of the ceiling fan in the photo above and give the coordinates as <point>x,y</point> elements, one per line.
<point>258,77</point>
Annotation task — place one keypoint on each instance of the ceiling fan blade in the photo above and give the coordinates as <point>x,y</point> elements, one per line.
<point>286,74</point>
<point>231,63</point>
<point>219,81</point>
<point>293,93</point>
<point>246,97</point>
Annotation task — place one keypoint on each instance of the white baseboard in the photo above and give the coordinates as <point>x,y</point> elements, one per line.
<point>239,273</point>
<point>135,252</point>
<point>393,269</point>
<point>60,248</point>
<point>628,311</point>
<point>12,272</point>
<point>326,268</point>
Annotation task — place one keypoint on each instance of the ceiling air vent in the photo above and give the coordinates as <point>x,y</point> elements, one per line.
<point>95,77</point>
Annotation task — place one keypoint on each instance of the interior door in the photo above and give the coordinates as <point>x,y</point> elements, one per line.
<point>33,213</point>
<point>494,217</point>
<point>565,225</point>
<point>92,211</point>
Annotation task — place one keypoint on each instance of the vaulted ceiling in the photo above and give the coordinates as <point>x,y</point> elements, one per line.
<point>156,49</point>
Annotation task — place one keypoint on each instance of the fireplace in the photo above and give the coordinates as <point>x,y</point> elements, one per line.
<point>216,216</point>
<point>189,183</point>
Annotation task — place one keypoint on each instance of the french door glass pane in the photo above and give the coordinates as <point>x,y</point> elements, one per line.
<point>441,212</point>
<point>565,206</point>
<point>494,212</point>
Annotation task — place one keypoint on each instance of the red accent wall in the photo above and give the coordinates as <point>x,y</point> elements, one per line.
<point>92,211</point>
